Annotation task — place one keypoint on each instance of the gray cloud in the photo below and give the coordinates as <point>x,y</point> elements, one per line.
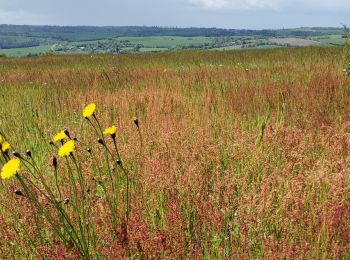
<point>208,13</point>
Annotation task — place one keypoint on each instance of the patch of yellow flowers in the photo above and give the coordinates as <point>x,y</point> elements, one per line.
<point>67,148</point>
<point>110,130</point>
<point>89,110</point>
<point>60,136</point>
<point>4,145</point>
<point>11,167</point>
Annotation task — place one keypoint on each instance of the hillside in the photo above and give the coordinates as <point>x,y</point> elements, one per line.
<point>22,40</point>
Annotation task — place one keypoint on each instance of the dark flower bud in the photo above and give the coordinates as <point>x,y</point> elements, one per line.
<point>136,121</point>
<point>66,201</point>
<point>75,139</point>
<point>66,131</point>
<point>29,153</point>
<point>89,150</point>
<point>52,143</point>
<point>88,190</point>
<point>16,154</point>
<point>100,141</point>
<point>119,162</point>
<point>54,162</point>
<point>19,193</point>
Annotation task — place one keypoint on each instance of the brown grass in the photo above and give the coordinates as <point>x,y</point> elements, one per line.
<point>246,153</point>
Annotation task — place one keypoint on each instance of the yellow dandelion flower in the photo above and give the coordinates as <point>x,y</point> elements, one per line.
<point>5,146</point>
<point>66,149</point>
<point>10,168</point>
<point>60,136</point>
<point>1,139</point>
<point>110,130</point>
<point>89,110</point>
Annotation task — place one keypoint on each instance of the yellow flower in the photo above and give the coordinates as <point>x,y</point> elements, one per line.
<point>60,136</point>
<point>110,131</point>
<point>0,139</point>
<point>10,169</point>
<point>66,149</point>
<point>5,146</point>
<point>89,110</point>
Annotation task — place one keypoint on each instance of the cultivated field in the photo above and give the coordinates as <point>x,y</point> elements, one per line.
<point>235,154</point>
<point>294,41</point>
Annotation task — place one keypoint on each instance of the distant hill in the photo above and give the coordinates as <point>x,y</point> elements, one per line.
<point>85,33</point>
<point>22,40</point>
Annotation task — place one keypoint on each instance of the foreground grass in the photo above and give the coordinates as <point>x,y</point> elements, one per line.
<point>246,154</point>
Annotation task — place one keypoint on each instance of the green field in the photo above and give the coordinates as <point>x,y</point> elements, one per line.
<point>19,52</point>
<point>167,41</point>
<point>330,40</point>
<point>135,39</point>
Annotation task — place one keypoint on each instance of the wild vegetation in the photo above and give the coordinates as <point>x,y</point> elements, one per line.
<point>232,155</point>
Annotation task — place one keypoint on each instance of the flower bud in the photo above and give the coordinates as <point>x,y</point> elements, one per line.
<point>29,153</point>
<point>66,201</point>
<point>19,193</point>
<point>136,121</point>
<point>100,141</point>
<point>54,162</point>
<point>66,131</point>
<point>16,154</point>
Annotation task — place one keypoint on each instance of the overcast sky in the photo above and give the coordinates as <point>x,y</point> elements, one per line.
<point>252,14</point>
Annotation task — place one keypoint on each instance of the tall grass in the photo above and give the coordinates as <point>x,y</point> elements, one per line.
<point>244,154</point>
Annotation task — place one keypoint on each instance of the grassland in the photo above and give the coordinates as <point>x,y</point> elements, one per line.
<point>245,154</point>
<point>330,40</point>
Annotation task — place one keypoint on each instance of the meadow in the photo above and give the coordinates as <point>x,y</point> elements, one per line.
<point>233,155</point>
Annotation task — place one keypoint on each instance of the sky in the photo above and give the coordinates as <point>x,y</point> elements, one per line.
<point>236,14</point>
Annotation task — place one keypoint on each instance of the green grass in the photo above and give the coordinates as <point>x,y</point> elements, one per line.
<point>151,49</point>
<point>330,40</point>
<point>19,52</point>
<point>167,41</point>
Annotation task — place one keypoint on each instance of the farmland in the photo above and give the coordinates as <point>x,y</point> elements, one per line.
<point>234,154</point>
<point>16,40</point>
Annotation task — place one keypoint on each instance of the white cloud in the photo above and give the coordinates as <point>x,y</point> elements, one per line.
<point>217,4</point>
<point>275,5</point>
